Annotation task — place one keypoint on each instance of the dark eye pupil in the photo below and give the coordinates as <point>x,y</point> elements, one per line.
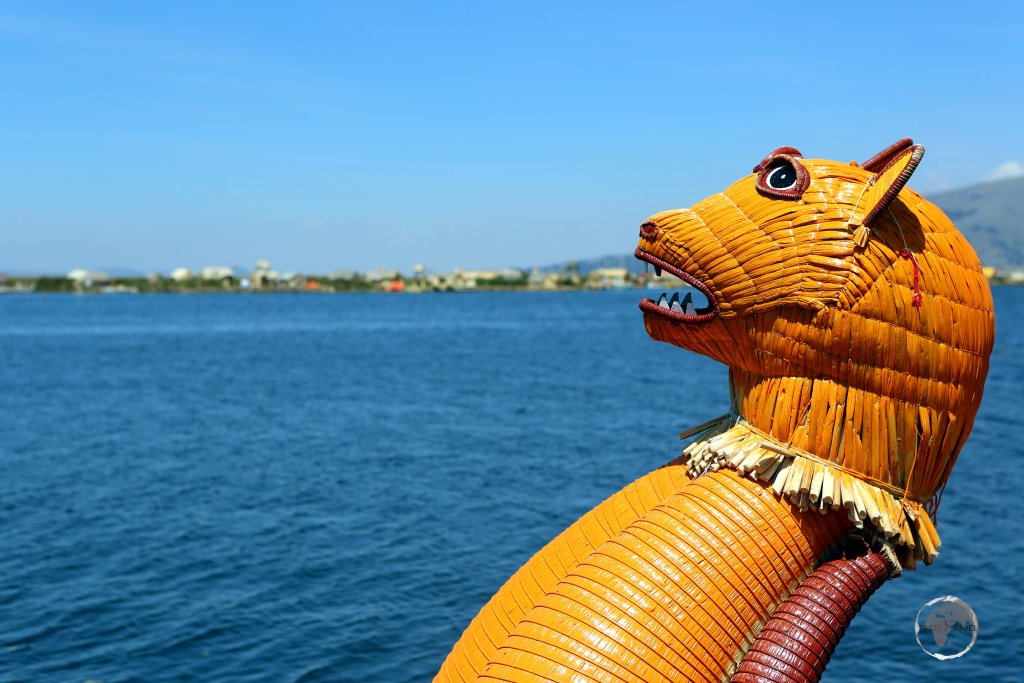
<point>782,178</point>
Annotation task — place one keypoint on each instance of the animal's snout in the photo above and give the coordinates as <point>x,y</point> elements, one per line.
<point>649,229</point>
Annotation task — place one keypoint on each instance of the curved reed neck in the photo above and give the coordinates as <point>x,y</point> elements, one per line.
<point>883,438</point>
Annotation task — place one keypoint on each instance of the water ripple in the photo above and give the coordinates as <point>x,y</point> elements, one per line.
<point>297,488</point>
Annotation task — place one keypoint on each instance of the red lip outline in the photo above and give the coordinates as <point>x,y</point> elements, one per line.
<point>648,306</point>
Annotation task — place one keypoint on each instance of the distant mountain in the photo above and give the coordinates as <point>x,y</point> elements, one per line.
<point>989,215</point>
<point>627,261</point>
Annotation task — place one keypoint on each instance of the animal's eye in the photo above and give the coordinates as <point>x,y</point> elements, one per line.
<point>782,177</point>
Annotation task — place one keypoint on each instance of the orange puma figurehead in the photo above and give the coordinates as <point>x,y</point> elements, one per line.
<point>857,327</point>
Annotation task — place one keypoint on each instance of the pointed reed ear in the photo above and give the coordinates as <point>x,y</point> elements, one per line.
<point>878,162</point>
<point>882,188</point>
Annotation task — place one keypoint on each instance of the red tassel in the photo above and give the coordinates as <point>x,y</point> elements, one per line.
<point>918,299</point>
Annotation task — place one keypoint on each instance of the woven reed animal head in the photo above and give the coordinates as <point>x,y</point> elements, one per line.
<point>817,269</point>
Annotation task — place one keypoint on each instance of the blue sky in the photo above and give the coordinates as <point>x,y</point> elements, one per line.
<point>326,135</point>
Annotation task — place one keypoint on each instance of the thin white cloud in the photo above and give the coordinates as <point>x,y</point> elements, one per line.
<point>1006,170</point>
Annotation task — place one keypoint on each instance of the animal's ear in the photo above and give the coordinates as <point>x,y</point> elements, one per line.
<point>882,188</point>
<point>878,162</point>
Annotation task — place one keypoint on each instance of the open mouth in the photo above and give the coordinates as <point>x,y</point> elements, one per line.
<point>680,306</point>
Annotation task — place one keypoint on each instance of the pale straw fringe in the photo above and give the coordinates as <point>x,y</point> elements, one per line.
<point>812,484</point>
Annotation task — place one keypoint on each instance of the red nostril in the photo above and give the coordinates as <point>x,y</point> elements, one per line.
<point>649,229</point>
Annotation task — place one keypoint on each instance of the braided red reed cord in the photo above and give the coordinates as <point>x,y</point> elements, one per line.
<point>797,642</point>
<point>917,300</point>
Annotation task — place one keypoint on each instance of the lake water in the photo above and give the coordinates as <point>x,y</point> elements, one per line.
<point>327,488</point>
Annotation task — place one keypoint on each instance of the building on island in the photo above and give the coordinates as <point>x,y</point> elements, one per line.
<point>345,275</point>
<point>608,278</point>
<point>182,274</point>
<point>382,275</point>
<point>84,278</point>
<point>220,273</point>
<point>263,276</point>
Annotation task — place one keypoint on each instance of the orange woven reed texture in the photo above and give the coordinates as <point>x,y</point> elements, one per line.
<point>551,564</point>
<point>679,594</point>
<point>857,326</point>
<point>866,363</point>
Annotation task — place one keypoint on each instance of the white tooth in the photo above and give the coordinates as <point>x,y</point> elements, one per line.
<point>690,310</point>
<point>663,302</point>
<point>675,306</point>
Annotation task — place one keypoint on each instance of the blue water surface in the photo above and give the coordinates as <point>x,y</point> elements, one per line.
<point>327,488</point>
